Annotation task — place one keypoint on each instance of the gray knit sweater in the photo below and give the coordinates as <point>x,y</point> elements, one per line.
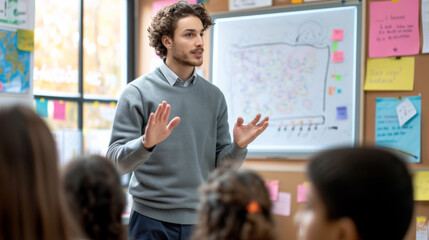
<point>165,180</point>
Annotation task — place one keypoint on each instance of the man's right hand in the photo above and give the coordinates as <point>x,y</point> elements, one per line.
<point>157,129</point>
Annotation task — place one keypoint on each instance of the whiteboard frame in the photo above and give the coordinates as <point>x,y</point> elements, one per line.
<point>356,131</point>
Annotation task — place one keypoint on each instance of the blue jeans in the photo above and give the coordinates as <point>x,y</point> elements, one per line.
<point>145,228</point>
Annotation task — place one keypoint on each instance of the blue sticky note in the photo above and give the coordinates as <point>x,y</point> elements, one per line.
<point>405,140</point>
<point>342,112</point>
<point>42,107</point>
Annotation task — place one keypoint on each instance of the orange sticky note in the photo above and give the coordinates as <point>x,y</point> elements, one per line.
<point>338,56</point>
<point>337,35</point>
<point>296,1</point>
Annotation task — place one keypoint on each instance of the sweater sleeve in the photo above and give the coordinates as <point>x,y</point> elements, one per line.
<point>125,148</point>
<point>225,149</point>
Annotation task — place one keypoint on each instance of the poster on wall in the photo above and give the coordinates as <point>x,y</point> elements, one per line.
<point>14,64</point>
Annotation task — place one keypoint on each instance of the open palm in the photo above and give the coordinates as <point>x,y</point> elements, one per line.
<point>158,128</point>
<point>245,134</point>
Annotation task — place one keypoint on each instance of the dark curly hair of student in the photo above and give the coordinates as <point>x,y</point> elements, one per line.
<point>94,194</point>
<point>235,204</point>
<point>165,22</point>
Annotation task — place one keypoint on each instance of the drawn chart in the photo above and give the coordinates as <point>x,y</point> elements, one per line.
<point>282,65</point>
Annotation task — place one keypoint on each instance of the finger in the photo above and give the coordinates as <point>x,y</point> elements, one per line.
<point>150,121</point>
<point>173,123</point>
<point>239,122</point>
<point>162,110</point>
<point>264,126</point>
<point>157,112</point>
<point>263,121</point>
<point>166,113</point>
<point>256,119</point>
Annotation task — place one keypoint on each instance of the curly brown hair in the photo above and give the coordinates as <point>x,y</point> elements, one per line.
<point>223,213</point>
<point>165,21</point>
<point>94,194</point>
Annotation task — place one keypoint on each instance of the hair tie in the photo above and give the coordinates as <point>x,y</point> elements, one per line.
<point>253,207</point>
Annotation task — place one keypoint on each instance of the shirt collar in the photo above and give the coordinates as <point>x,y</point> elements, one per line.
<point>172,78</point>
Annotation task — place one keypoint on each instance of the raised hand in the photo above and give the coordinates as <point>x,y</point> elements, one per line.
<point>157,129</point>
<point>245,134</point>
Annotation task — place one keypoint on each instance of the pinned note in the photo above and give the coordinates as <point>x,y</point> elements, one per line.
<point>393,28</point>
<point>25,40</point>
<point>273,189</point>
<point>282,205</point>
<point>337,35</point>
<point>302,190</point>
<point>59,110</point>
<point>390,74</point>
<point>42,107</point>
<point>422,228</point>
<point>405,111</point>
<point>1,86</point>
<point>405,140</point>
<point>421,185</point>
<point>341,113</point>
<point>338,56</point>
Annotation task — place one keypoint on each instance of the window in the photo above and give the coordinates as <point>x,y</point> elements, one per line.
<point>83,59</point>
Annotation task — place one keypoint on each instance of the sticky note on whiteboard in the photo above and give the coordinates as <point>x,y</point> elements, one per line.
<point>337,35</point>
<point>338,56</point>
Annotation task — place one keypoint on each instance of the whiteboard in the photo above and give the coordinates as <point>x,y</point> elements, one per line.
<point>281,63</point>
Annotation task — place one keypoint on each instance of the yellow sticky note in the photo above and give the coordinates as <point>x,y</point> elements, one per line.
<point>390,74</point>
<point>96,103</point>
<point>25,40</point>
<point>421,185</point>
<point>296,1</point>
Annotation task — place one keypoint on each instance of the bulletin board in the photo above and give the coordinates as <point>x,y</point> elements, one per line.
<point>421,88</point>
<point>298,65</point>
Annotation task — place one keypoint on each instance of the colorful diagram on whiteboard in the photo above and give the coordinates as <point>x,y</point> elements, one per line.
<point>289,73</point>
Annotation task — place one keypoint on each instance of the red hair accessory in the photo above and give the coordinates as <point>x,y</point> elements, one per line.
<point>253,207</point>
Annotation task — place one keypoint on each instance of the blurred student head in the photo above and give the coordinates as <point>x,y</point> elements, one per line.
<point>94,194</point>
<point>234,204</point>
<point>357,193</point>
<point>32,201</point>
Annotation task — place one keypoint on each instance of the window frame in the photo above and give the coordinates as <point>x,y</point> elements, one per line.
<point>129,66</point>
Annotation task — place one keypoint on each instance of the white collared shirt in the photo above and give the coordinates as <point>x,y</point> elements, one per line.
<point>173,79</point>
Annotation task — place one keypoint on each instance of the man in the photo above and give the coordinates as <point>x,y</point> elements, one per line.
<point>170,160</point>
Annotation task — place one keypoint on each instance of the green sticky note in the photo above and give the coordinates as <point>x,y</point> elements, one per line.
<point>334,46</point>
<point>338,77</point>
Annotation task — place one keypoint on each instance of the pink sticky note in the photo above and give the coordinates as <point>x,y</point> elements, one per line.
<point>59,110</point>
<point>394,28</point>
<point>158,5</point>
<point>338,56</point>
<point>273,188</point>
<point>302,192</point>
<point>282,205</point>
<point>337,35</point>
<point>1,86</point>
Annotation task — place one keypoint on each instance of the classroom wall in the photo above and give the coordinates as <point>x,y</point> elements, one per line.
<point>291,172</point>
